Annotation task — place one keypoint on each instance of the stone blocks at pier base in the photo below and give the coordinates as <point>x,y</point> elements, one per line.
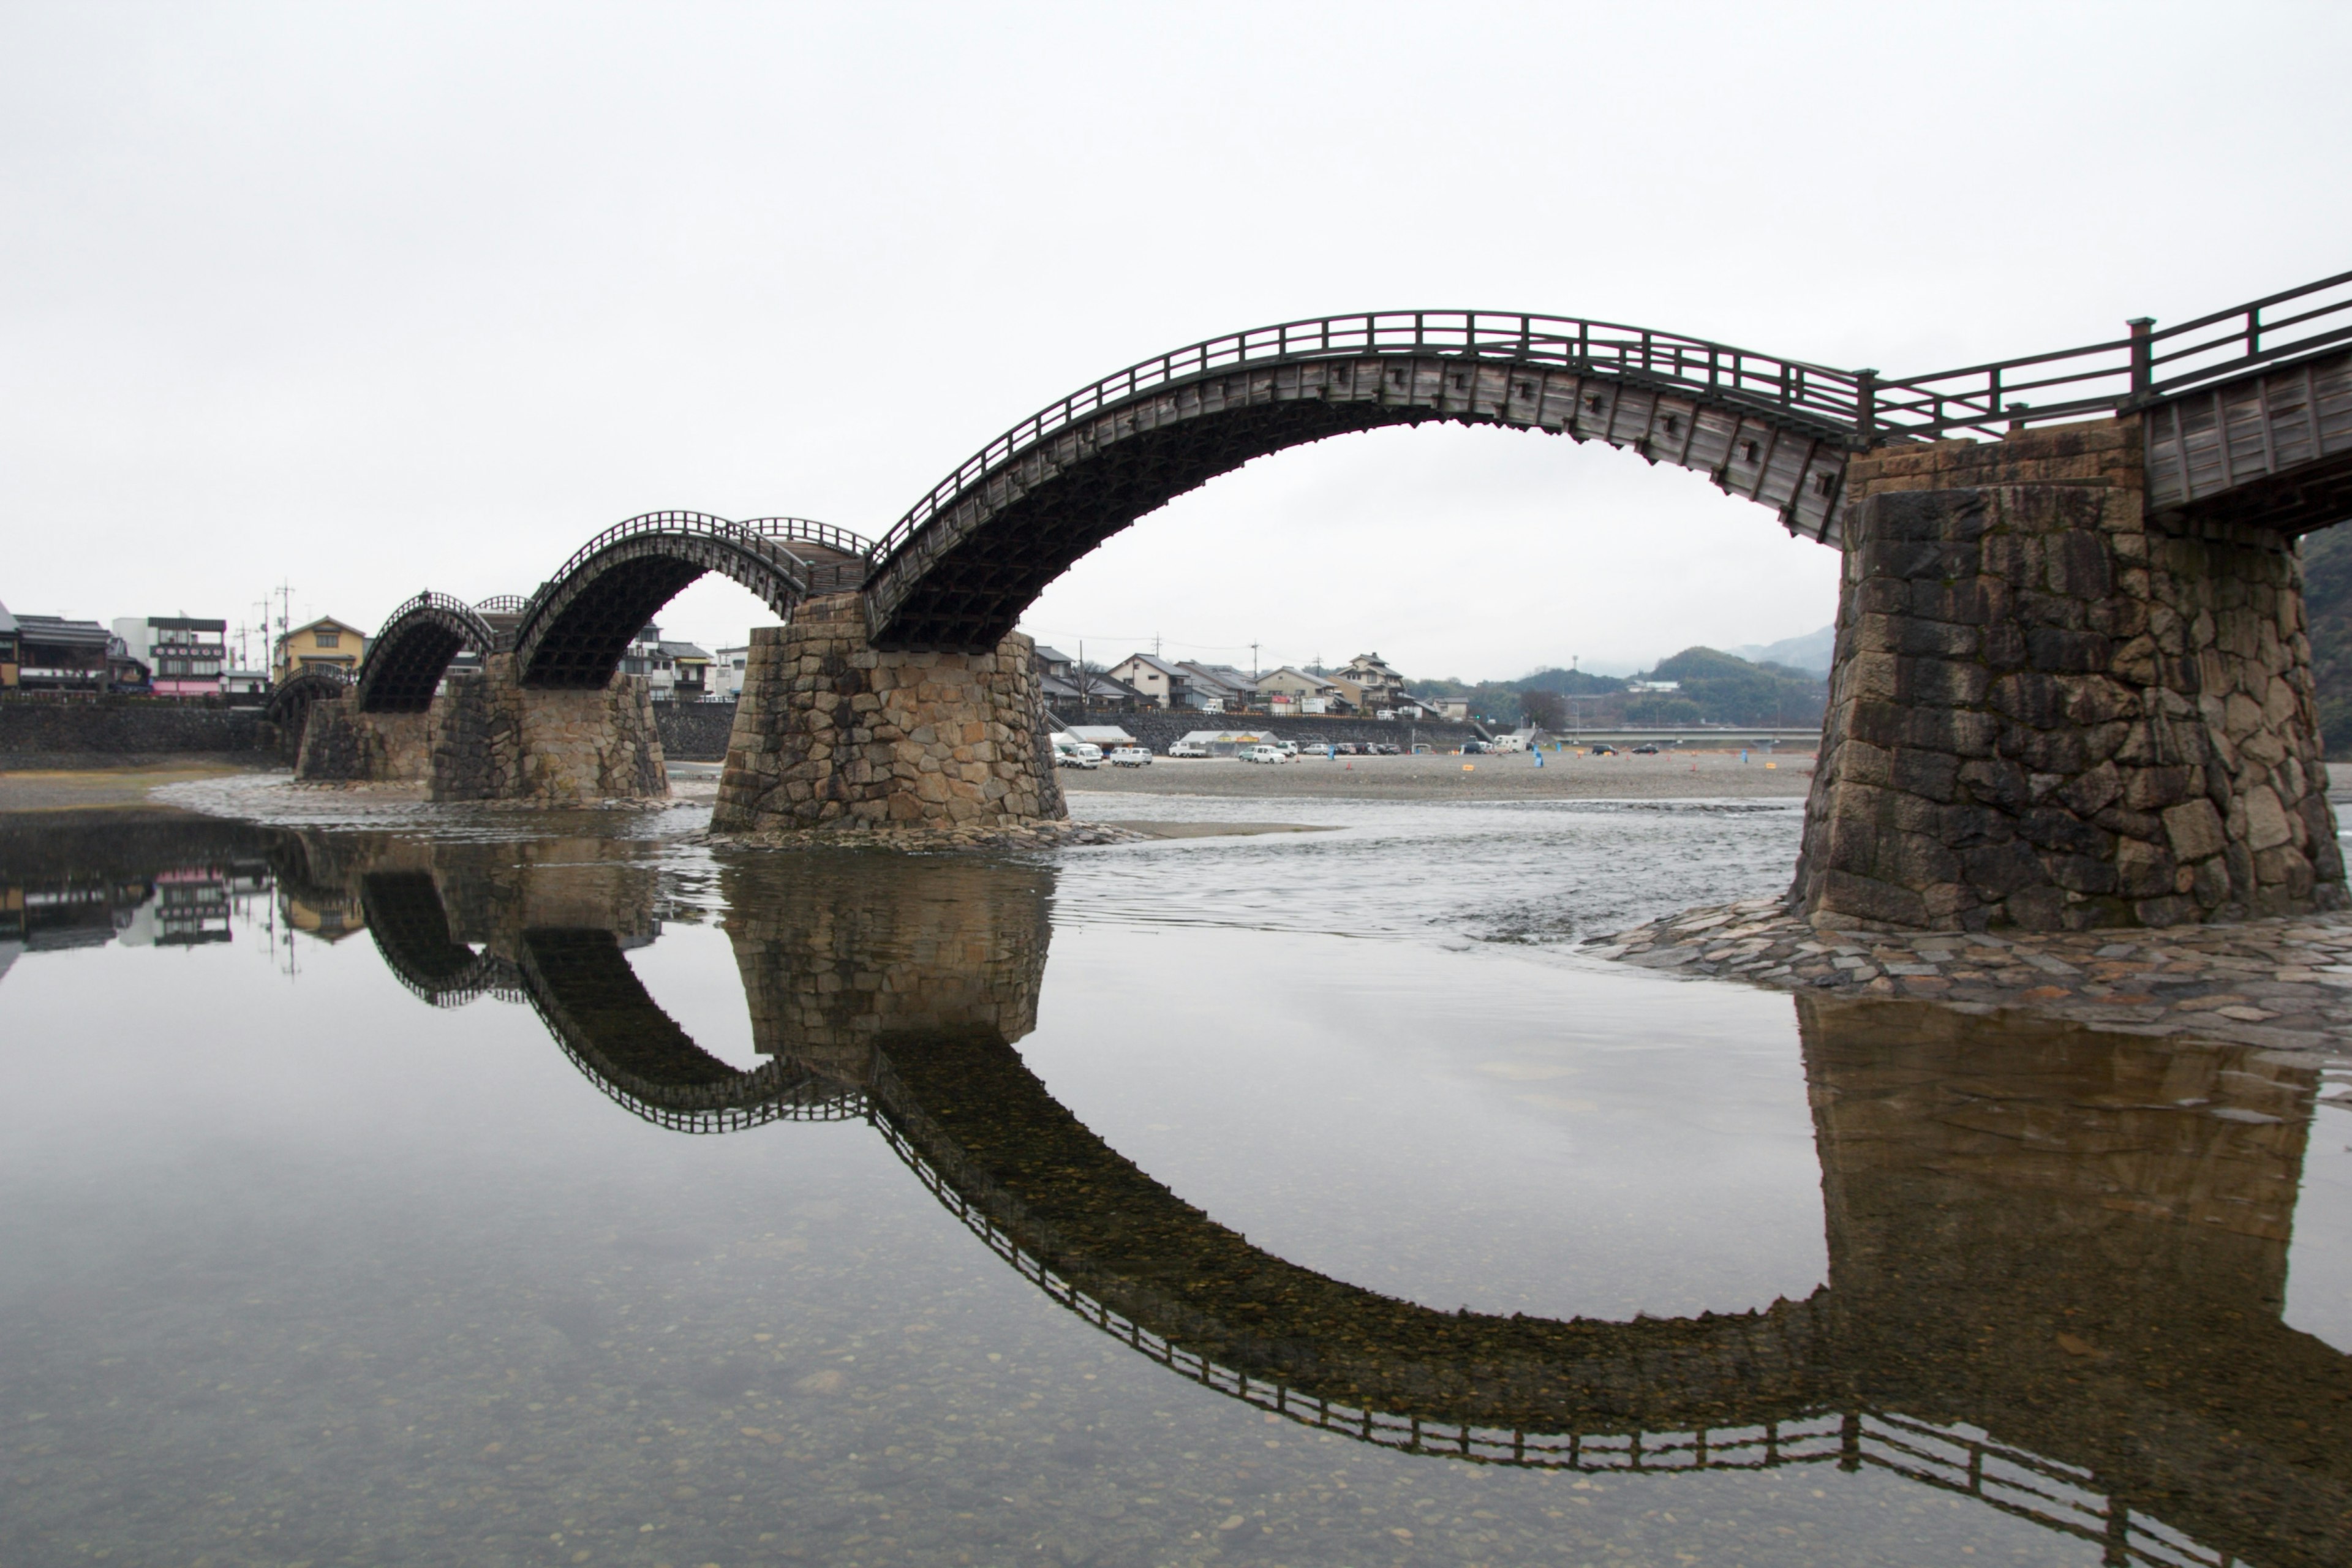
<point>2046,713</point>
<point>497,739</point>
<point>835,734</point>
<point>341,744</point>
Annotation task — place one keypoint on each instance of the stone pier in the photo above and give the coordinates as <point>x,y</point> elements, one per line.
<point>490,738</point>
<point>341,744</point>
<point>835,734</point>
<point>499,740</point>
<point>2048,713</point>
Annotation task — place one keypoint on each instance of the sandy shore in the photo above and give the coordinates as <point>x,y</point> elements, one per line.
<point>1704,776</point>
<point>99,789</point>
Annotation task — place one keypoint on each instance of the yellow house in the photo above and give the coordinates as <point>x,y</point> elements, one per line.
<point>324,641</point>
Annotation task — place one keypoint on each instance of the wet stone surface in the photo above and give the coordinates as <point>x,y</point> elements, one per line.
<point>2279,983</point>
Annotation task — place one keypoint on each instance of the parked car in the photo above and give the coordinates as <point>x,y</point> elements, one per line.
<point>1475,748</point>
<point>1188,749</point>
<point>1602,749</point>
<point>1289,749</point>
<point>1084,754</point>
<point>1645,750</point>
<point>1262,753</point>
<point>1130,757</point>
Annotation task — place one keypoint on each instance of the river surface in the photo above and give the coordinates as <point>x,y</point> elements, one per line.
<point>393,1185</point>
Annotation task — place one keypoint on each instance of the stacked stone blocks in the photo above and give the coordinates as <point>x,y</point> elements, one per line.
<point>833,733</point>
<point>341,744</point>
<point>497,739</point>
<point>487,737</point>
<point>2046,714</point>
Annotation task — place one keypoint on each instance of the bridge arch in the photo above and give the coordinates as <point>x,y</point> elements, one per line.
<point>291,700</point>
<point>580,984</point>
<point>410,926</point>
<point>958,570</point>
<point>573,632</point>
<point>407,658</point>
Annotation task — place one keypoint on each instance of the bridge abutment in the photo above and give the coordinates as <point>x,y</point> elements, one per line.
<point>497,740</point>
<point>834,734</point>
<point>2048,713</point>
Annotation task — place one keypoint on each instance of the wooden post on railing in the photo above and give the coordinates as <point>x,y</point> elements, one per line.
<point>2143,356</point>
<point>1866,406</point>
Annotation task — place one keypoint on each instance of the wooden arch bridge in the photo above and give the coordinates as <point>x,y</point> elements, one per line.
<point>2063,573</point>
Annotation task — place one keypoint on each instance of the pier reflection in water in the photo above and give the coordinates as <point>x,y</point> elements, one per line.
<point>2056,1267</point>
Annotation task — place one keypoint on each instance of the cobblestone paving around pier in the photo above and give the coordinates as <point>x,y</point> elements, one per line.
<point>2284,984</point>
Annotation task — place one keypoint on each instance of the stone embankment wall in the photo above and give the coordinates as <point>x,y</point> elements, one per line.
<point>36,733</point>
<point>341,744</point>
<point>1159,730</point>
<point>497,740</point>
<point>694,731</point>
<point>832,732</point>
<point>2046,714</point>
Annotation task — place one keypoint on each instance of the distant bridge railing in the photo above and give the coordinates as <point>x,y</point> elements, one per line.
<point>662,523</point>
<point>502,605</point>
<point>1861,405</point>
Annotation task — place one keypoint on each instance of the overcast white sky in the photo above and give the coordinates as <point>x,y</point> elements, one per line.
<point>374,298</point>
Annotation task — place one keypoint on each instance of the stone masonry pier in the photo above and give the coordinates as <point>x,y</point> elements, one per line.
<point>835,734</point>
<point>490,738</point>
<point>2049,713</point>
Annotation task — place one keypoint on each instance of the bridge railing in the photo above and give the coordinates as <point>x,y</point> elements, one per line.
<point>1822,396</point>
<point>1868,408</point>
<point>2120,373</point>
<point>502,605</point>
<point>808,530</point>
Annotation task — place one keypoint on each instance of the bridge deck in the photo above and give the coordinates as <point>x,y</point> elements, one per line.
<point>2273,448</point>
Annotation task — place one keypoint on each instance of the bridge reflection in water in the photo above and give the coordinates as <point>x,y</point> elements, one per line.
<point>2058,1258</point>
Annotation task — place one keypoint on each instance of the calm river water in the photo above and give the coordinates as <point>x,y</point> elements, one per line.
<point>394,1185</point>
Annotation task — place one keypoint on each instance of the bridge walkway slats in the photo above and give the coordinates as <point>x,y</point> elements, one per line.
<point>2292,426</point>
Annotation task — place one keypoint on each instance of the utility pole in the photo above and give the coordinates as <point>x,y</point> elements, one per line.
<point>1084,690</point>
<point>285,592</point>
<point>1254,671</point>
<point>1155,645</point>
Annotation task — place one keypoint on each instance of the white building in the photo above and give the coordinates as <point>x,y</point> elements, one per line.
<point>727,672</point>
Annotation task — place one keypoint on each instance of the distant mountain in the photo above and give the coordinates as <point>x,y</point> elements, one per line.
<point>1811,652</point>
<point>1728,690</point>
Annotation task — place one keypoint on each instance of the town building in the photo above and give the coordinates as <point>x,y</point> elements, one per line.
<point>185,655</point>
<point>1375,682</point>
<point>245,685</point>
<point>7,648</point>
<point>1220,688</point>
<point>1294,691</point>
<point>727,673</point>
<point>1065,685</point>
<point>675,671</point>
<point>1161,683</point>
<point>56,654</point>
<point>324,642</point>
